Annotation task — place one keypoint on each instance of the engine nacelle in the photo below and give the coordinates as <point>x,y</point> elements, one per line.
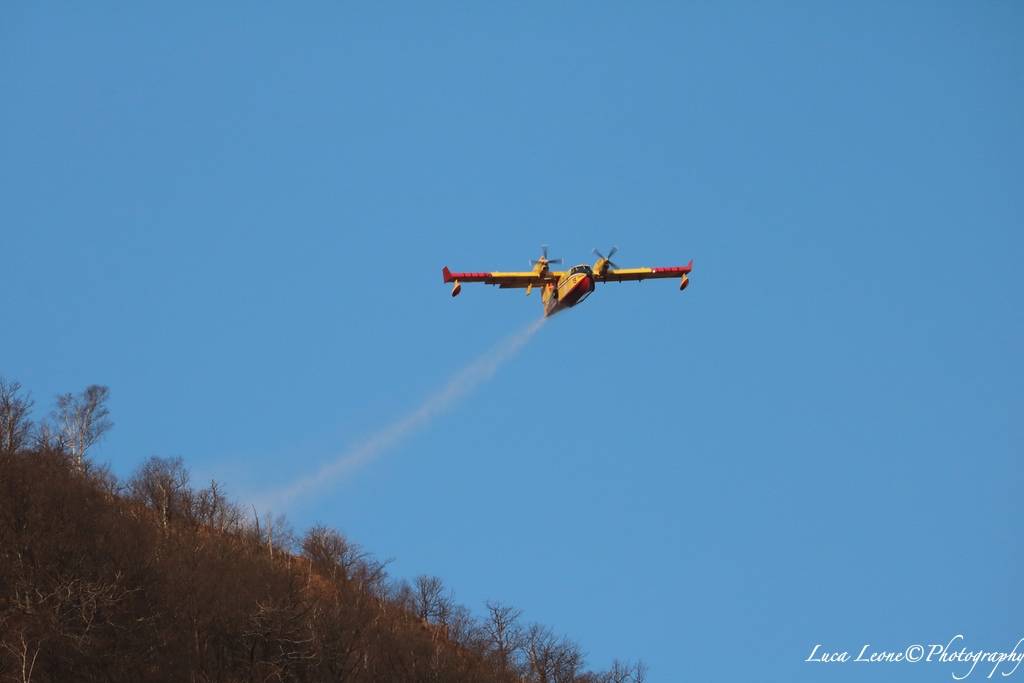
<point>457,288</point>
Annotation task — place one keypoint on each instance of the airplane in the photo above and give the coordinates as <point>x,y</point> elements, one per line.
<point>564,289</point>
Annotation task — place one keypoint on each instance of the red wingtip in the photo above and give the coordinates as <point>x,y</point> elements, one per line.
<point>447,274</point>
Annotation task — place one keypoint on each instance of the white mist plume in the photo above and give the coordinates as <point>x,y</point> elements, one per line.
<point>462,383</point>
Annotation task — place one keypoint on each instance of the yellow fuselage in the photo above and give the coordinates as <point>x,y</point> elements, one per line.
<point>569,291</point>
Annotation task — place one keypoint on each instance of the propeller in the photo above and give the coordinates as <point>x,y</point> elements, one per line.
<point>544,258</point>
<point>608,259</point>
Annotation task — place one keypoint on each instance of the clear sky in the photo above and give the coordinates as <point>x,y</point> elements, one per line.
<point>236,216</point>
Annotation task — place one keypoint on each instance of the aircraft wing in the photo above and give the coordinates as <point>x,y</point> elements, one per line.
<point>503,280</point>
<point>626,274</point>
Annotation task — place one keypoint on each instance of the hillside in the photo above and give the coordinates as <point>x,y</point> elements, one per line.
<point>151,580</point>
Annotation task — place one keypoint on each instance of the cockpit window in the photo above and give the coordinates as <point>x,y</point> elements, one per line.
<point>579,269</point>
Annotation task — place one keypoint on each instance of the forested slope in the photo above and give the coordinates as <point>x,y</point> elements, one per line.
<point>152,580</point>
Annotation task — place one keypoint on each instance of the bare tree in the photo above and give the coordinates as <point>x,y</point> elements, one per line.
<point>552,659</point>
<point>210,507</point>
<point>430,601</point>
<point>83,419</point>
<point>162,484</point>
<point>280,535</point>
<point>463,627</point>
<point>329,551</point>
<point>624,672</point>
<point>503,633</point>
<point>21,652</point>
<point>540,644</point>
<point>14,410</point>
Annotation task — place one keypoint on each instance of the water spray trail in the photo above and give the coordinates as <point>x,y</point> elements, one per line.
<point>462,383</point>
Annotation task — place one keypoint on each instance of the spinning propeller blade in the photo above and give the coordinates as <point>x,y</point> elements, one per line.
<point>608,259</point>
<point>544,257</point>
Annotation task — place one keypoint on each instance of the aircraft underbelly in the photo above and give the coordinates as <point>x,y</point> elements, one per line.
<point>571,290</point>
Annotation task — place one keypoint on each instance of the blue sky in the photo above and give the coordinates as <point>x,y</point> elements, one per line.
<point>236,217</point>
